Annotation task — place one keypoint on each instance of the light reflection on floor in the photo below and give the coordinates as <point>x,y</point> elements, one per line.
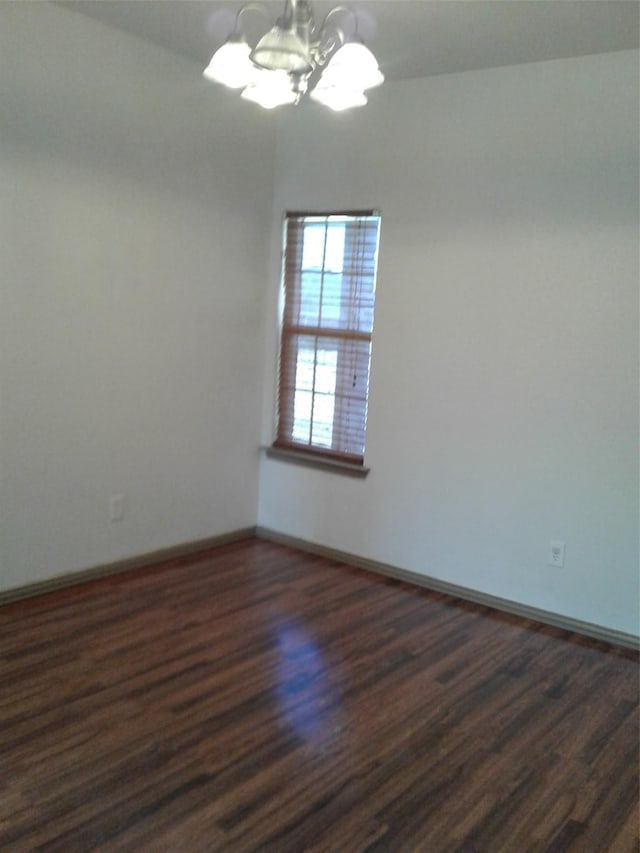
<point>307,700</point>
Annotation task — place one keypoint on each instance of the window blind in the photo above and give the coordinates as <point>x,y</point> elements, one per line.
<point>329,278</point>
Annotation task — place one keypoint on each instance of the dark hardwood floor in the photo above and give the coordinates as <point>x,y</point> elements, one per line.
<point>258,698</point>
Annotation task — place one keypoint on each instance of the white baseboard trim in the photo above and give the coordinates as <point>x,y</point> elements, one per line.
<point>588,629</point>
<point>136,562</point>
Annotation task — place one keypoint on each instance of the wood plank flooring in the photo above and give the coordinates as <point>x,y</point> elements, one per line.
<point>255,698</point>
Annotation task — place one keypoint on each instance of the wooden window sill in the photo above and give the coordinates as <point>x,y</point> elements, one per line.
<point>312,460</point>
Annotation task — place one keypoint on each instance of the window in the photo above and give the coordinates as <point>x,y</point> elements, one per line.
<point>329,287</point>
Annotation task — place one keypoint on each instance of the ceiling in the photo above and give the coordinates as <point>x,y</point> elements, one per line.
<point>410,38</point>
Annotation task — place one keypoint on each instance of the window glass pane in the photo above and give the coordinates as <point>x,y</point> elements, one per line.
<point>313,247</point>
<point>322,431</point>
<point>304,368</point>
<point>326,362</point>
<point>334,253</point>
<point>364,320</point>
<point>324,398</point>
<point>309,311</point>
<point>331,299</point>
<point>302,404</point>
<point>313,413</point>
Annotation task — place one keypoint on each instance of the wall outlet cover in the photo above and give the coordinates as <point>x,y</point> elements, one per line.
<point>116,507</point>
<point>556,554</point>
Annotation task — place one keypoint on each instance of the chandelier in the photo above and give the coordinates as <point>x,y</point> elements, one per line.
<point>294,57</point>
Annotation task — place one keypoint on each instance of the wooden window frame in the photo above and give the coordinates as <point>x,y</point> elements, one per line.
<point>360,226</point>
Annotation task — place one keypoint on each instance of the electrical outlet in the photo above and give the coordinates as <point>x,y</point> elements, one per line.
<point>116,507</point>
<point>556,554</point>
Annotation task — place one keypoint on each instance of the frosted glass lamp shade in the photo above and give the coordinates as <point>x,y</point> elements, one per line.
<point>353,65</point>
<point>338,98</point>
<point>231,65</point>
<point>270,89</point>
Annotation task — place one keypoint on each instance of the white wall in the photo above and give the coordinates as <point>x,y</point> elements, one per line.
<point>504,386</point>
<point>504,395</point>
<point>133,197</point>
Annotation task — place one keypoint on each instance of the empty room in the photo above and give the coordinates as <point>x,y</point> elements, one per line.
<point>319,425</point>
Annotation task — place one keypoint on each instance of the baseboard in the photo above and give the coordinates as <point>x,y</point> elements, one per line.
<point>588,629</point>
<point>598,632</point>
<point>136,562</point>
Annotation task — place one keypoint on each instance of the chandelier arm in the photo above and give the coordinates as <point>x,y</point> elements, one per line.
<point>326,44</point>
<point>250,7</point>
<point>333,11</point>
